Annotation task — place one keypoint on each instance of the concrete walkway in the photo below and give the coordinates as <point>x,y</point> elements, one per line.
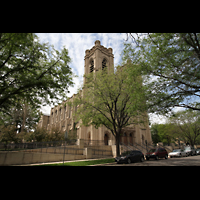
<point>64,162</point>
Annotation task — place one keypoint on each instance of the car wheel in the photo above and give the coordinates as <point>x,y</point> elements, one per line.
<point>166,156</point>
<point>156,157</point>
<point>142,159</point>
<point>129,160</point>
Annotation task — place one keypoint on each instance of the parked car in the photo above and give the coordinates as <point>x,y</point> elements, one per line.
<point>198,151</point>
<point>190,150</point>
<point>157,153</point>
<point>178,153</point>
<point>130,156</point>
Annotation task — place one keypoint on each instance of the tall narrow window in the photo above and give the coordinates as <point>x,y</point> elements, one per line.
<point>56,117</point>
<point>91,65</point>
<point>64,112</point>
<point>59,117</point>
<point>69,112</point>
<point>103,63</point>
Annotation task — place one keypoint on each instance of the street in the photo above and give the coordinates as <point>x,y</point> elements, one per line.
<point>183,161</point>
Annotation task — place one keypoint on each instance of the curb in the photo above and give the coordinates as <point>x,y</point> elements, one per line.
<point>102,164</point>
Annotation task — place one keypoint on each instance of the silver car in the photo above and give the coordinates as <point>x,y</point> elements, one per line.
<point>190,150</point>
<point>198,151</point>
<point>177,153</point>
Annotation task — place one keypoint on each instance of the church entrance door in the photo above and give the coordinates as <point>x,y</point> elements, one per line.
<point>106,139</point>
<point>125,139</point>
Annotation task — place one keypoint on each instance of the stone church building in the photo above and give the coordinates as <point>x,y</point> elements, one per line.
<point>60,117</point>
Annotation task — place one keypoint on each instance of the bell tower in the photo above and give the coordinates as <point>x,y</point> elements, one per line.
<point>98,58</point>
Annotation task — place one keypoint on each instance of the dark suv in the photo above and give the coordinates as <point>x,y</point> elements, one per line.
<point>130,156</point>
<point>157,153</point>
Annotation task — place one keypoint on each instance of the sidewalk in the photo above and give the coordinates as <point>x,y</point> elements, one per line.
<point>64,162</point>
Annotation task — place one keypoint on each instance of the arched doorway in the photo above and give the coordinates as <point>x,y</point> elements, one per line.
<point>106,139</point>
<point>143,139</point>
<point>88,139</point>
<point>131,138</point>
<point>125,139</point>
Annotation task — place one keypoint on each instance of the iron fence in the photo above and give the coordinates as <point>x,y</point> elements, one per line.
<point>34,145</point>
<point>97,148</point>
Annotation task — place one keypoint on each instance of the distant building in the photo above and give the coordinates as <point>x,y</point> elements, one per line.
<point>97,58</point>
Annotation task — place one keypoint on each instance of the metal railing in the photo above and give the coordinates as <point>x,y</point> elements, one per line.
<point>136,146</point>
<point>36,146</point>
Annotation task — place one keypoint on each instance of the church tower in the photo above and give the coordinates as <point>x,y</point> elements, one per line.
<point>97,58</point>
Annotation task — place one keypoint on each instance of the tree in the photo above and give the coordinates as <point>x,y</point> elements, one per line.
<point>188,125</point>
<point>8,134</point>
<point>154,134</point>
<point>55,135</point>
<point>108,99</point>
<point>23,117</point>
<point>161,133</point>
<point>32,71</point>
<point>39,135</point>
<point>170,62</point>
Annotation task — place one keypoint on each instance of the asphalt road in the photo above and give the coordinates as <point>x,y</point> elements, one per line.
<point>183,161</point>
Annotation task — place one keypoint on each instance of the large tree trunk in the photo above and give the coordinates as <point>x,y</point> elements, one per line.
<point>117,144</point>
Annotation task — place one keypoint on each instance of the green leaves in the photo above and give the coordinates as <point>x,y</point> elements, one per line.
<point>109,99</point>
<point>187,124</point>
<point>169,64</point>
<point>32,70</point>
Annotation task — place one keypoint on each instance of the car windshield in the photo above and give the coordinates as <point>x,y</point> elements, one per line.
<point>187,148</point>
<point>176,150</point>
<point>126,153</point>
<point>152,150</point>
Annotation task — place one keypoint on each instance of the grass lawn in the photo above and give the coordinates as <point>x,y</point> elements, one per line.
<point>83,163</point>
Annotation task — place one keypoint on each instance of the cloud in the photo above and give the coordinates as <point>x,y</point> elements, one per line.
<point>77,43</point>
<point>157,119</point>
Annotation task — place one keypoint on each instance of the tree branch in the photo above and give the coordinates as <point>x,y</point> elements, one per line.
<point>186,106</point>
<point>195,35</point>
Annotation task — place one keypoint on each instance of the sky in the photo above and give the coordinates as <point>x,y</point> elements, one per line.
<point>77,43</point>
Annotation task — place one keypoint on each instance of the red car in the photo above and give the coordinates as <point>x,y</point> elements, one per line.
<point>157,153</point>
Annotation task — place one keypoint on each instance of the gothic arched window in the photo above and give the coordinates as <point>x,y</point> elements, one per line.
<point>103,63</point>
<point>91,65</point>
